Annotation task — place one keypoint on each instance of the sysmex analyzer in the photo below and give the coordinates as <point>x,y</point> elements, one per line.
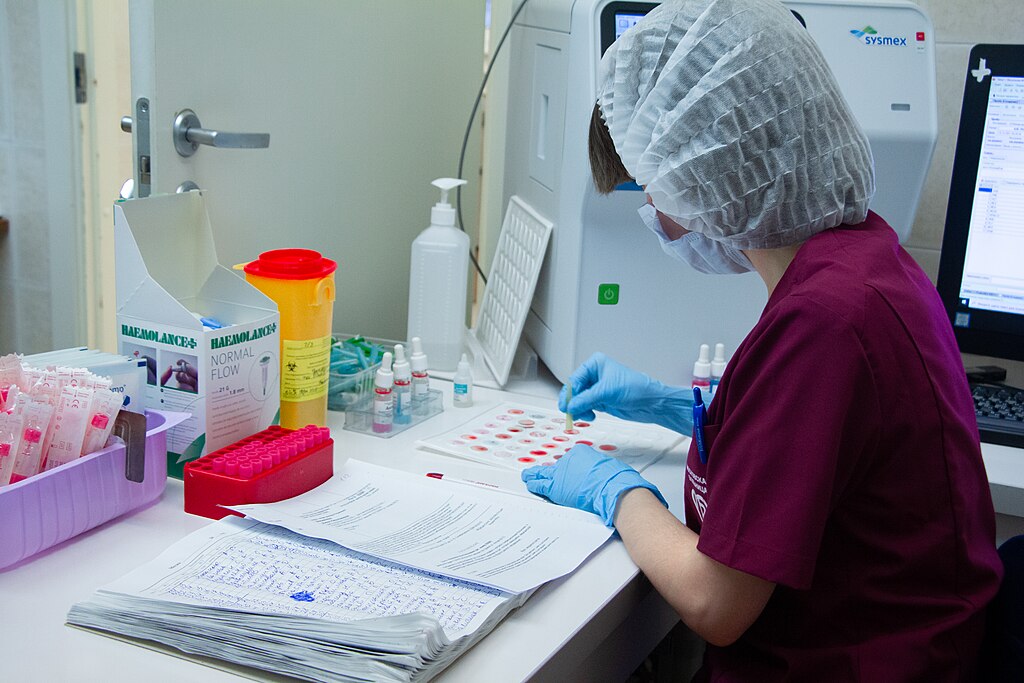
<point>605,284</point>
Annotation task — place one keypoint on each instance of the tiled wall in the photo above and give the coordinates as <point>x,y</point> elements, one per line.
<point>25,323</point>
<point>959,25</point>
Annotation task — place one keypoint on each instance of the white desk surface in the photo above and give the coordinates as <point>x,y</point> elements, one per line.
<point>1005,468</point>
<point>596,624</point>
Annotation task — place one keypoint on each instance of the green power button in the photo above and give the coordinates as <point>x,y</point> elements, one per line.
<point>607,294</point>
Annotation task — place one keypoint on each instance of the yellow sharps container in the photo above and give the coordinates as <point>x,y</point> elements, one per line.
<point>301,281</point>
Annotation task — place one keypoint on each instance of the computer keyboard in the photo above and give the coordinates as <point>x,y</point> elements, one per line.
<point>1000,411</point>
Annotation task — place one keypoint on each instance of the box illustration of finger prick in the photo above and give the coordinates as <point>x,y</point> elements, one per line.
<point>172,294</point>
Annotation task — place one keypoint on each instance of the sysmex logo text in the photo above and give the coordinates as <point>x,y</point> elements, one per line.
<point>242,337</point>
<point>178,340</point>
<point>869,36</point>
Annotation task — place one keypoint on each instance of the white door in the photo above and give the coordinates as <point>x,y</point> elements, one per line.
<point>364,103</point>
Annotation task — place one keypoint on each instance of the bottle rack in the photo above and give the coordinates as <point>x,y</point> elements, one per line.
<point>359,418</point>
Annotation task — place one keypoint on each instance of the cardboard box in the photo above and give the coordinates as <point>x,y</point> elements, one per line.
<point>168,276</point>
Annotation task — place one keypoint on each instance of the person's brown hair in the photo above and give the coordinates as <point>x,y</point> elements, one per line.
<point>605,163</point>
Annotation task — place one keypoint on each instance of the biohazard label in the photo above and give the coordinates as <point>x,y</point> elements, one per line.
<point>304,366</point>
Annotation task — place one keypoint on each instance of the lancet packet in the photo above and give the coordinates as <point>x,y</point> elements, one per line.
<point>51,416</point>
<point>127,374</point>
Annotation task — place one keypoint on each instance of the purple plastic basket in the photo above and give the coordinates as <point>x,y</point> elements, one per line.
<point>44,510</point>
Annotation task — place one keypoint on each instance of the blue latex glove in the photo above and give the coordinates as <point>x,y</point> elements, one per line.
<point>588,480</point>
<point>605,385</point>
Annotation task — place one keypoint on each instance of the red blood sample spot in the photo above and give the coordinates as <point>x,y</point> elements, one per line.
<point>502,436</point>
<point>540,453</point>
<point>471,437</point>
<point>556,456</point>
<point>560,438</point>
<point>585,442</point>
<point>527,458</point>
<point>525,440</point>
<point>582,424</point>
<point>514,429</point>
<point>527,423</point>
<point>608,447</point>
<point>550,445</point>
<point>572,431</point>
<point>479,448</point>
<point>515,411</point>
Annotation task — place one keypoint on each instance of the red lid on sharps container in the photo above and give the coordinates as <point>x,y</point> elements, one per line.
<point>291,264</point>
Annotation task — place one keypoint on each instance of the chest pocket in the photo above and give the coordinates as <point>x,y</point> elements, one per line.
<point>698,487</point>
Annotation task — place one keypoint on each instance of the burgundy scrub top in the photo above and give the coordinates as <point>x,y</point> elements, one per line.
<point>844,466</point>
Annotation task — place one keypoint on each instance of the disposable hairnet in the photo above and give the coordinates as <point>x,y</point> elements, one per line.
<point>727,113</point>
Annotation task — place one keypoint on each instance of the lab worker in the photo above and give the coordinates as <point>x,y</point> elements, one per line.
<point>839,525</point>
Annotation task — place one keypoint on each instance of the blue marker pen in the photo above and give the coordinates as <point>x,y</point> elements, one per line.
<point>700,414</point>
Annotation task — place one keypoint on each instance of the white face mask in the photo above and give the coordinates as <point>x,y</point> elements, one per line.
<point>701,253</point>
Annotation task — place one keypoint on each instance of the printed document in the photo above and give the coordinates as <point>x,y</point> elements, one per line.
<point>494,540</point>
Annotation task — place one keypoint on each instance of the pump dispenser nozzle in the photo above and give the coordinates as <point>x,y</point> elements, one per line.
<point>442,213</point>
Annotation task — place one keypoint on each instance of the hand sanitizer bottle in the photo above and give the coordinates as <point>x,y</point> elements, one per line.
<point>437,283</point>
<point>463,384</point>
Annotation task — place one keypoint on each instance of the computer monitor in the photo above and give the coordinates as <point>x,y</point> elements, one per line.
<point>981,269</point>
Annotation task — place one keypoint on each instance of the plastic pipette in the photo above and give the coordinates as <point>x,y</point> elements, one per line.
<point>568,415</point>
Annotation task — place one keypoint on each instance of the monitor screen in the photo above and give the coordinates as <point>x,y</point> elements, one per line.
<point>993,273</point>
<point>981,275</point>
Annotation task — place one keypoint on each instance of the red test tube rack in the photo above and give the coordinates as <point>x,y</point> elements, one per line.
<point>266,467</point>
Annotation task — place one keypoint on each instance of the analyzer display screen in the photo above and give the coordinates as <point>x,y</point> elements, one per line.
<point>625,21</point>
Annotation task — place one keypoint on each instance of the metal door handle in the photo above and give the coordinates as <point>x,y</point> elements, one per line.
<point>126,124</point>
<point>189,134</point>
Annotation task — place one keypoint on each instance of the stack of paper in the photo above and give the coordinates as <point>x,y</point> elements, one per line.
<point>437,566</point>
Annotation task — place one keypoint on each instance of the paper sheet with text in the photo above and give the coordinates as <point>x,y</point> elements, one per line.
<point>457,531</point>
<point>255,569</point>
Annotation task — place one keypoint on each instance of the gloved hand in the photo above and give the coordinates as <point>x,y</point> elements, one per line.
<point>605,385</point>
<point>588,480</point>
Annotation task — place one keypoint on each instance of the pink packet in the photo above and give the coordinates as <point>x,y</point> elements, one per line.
<point>97,382</point>
<point>10,440</point>
<point>46,387</point>
<point>102,413</point>
<point>35,423</point>
<point>10,369</point>
<point>67,431</point>
<point>29,377</point>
